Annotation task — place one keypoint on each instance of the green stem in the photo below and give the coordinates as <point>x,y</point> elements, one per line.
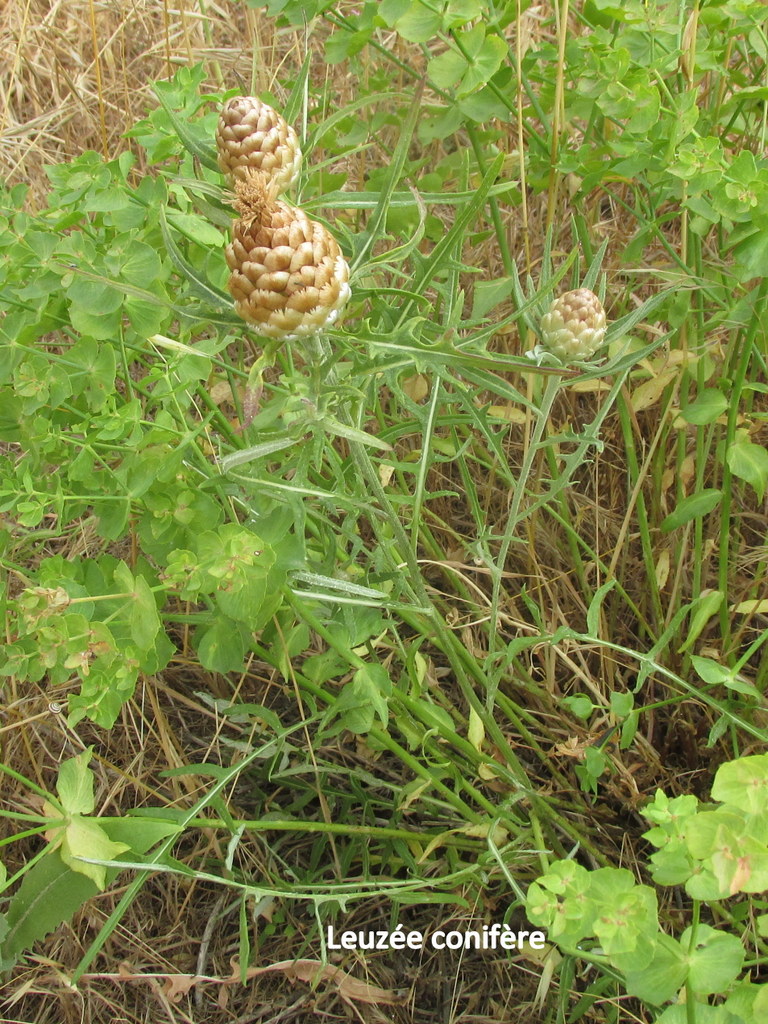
<point>690,996</point>
<point>497,570</point>
<point>726,524</point>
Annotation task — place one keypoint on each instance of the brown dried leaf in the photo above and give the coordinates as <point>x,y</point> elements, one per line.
<point>351,990</point>
<point>178,985</point>
<point>311,971</point>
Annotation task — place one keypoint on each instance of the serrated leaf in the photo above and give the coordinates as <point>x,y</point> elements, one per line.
<point>50,893</point>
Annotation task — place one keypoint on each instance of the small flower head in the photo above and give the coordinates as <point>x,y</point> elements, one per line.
<point>252,138</point>
<point>574,328</point>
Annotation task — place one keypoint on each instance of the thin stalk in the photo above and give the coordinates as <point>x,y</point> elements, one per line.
<point>550,392</point>
<point>736,389</point>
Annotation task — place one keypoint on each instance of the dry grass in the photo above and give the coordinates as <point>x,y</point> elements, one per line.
<point>76,75</point>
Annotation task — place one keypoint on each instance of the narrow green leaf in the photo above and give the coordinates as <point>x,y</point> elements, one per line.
<point>197,229</point>
<point>206,291</point>
<point>295,101</point>
<point>702,610</point>
<point>593,613</point>
<point>333,426</point>
<point>695,506</point>
<point>394,173</point>
<point>464,218</point>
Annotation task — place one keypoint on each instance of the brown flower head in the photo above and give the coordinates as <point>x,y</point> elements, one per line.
<point>288,275</point>
<point>252,138</point>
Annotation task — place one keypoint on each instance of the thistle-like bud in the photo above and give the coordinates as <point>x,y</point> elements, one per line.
<point>574,328</point>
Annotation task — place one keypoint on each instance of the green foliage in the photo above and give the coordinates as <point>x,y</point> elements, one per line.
<point>62,877</point>
<point>298,517</point>
<point>716,852</point>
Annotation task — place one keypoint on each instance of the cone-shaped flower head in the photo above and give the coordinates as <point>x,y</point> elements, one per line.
<point>289,277</point>
<point>252,138</point>
<point>574,327</point>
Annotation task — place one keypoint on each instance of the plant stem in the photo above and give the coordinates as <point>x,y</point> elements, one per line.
<point>550,391</point>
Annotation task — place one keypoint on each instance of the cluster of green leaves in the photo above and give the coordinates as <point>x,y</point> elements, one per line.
<point>94,620</point>
<point>640,70</point>
<point>110,417</point>
<point>715,852</point>
<point>117,334</point>
<point>66,872</point>
<point>633,82</point>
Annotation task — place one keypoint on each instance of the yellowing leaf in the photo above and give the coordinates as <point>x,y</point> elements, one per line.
<point>649,392</point>
<point>510,413</point>
<point>416,387</point>
<point>751,607</point>
<point>84,837</point>
<point>412,792</point>
<point>75,784</point>
<point>662,568</point>
<point>588,387</point>
<point>476,730</point>
<point>497,832</point>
